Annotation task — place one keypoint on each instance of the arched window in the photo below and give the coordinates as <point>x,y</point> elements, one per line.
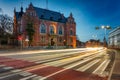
<point>71,32</point>
<point>52,30</point>
<point>60,31</point>
<point>42,28</point>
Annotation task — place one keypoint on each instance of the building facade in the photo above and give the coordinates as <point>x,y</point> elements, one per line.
<point>51,28</point>
<point>93,43</point>
<point>114,38</point>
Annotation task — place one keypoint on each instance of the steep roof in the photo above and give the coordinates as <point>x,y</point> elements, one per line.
<point>50,15</point>
<point>18,15</point>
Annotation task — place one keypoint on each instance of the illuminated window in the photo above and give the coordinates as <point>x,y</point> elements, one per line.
<point>60,31</point>
<point>51,30</point>
<point>42,28</point>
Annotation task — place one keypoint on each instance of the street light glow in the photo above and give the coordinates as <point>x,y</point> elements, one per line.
<point>107,26</point>
<point>102,27</point>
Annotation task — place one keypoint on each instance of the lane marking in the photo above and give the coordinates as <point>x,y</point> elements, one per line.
<point>35,68</point>
<point>102,67</point>
<point>69,67</point>
<point>31,76</point>
<point>87,66</point>
<point>69,60</point>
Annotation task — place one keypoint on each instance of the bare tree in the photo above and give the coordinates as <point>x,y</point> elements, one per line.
<point>6,24</point>
<point>6,27</point>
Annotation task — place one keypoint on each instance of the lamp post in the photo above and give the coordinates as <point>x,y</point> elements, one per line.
<point>27,40</point>
<point>105,29</point>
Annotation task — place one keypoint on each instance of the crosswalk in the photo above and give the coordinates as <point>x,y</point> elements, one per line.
<point>36,69</point>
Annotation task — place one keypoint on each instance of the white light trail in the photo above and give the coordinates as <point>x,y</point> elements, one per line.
<point>46,51</point>
<point>68,67</point>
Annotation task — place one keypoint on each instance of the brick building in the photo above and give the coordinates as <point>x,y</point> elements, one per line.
<point>93,43</point>
<point>51,28</point>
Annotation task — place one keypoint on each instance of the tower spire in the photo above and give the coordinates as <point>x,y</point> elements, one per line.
<point>14,9</point>
<point>21,6</point>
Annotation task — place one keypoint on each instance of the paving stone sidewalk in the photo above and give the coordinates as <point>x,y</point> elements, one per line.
<point>116,69</point>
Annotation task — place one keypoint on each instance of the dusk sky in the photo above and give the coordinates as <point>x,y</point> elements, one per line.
<point>87,13</point>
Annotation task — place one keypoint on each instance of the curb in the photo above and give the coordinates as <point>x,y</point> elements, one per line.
<point>109,77</point>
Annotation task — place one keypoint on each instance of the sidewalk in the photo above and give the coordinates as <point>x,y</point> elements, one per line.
<point>116,69</point>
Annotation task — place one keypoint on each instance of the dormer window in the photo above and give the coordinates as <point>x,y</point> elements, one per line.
<point>51,18</point>
<point>42,16</point>
<point>59,19</point>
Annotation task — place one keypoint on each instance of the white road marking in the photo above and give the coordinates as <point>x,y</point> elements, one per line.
<point>87,66</point>
<point>23,73</point>
<point>35,68</point>
<point>71,59</point>
<point>37,78</point>
<point>102,67</point>
<point>68,67</point>
<point>57,58</point>
<point>7,76</point>
<point>31,76</point>
<point>2,65</point>
<point>16,70</point>
<point>7,68</point>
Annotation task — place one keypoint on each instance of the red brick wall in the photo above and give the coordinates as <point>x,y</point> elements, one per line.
<point>37,36</point>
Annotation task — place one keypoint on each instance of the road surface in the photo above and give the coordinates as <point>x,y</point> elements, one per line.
<point>66,64</point>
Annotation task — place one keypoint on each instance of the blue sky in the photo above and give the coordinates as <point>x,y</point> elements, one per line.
<point>87,13</point>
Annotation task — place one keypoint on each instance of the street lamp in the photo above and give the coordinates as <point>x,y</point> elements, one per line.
<point>27,40</point>
<point>105,28</point>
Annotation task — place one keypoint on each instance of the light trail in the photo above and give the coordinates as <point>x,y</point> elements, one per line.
<point>68,67</point>
<point>46,51</point>
<point>35,67</point>
<point>68,60</point>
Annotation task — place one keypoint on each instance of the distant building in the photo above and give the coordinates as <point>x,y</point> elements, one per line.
<point>93,43</point>
<point>105,42</point>
<point>51,28</point>
<point>114,38</point>
<point>80,44</point>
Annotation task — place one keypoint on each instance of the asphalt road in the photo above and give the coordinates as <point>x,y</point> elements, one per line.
<point>67,64</point>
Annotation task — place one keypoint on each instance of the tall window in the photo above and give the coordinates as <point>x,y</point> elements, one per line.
<point>42,28</point>
<point>60,31</point>
<point>51,30</point>
<point>71,32</point>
